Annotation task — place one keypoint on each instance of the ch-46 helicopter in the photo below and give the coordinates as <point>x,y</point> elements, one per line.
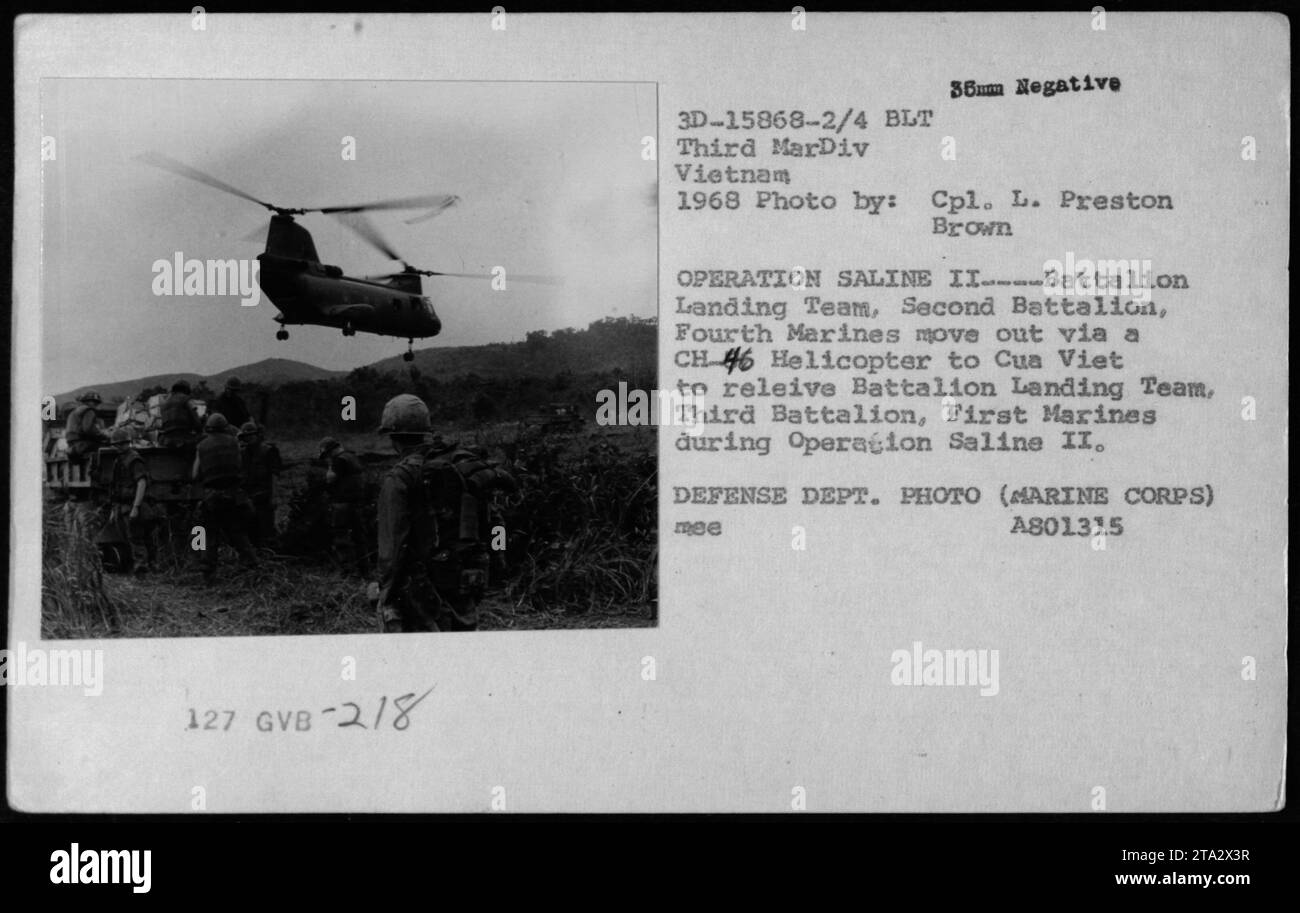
<point>308,292</point>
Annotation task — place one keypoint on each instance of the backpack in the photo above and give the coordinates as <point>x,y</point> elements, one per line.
<point>458,487</point>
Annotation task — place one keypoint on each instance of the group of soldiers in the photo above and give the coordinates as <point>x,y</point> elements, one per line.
<point>433,509</point>
<point>233,465</point>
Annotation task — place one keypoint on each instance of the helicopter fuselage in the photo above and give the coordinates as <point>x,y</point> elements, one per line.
<point>310,293</point>
<point>314,294</point>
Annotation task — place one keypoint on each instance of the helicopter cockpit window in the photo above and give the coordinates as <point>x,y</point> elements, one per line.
<point>428,306</point>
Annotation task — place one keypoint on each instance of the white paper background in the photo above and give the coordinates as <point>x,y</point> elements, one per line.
<point>1118,669</point>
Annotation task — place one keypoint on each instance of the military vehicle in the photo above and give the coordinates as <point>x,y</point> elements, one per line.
<point>168,468</point>
<point>61,474</point>
<point>561,417</point>
<point>90,481</point>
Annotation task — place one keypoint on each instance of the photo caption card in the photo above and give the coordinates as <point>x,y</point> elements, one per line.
<point>652,413</point>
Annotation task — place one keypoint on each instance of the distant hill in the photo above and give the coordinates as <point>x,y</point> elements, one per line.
<point>271,372</point>
<point>611,345</point>
<point>469,386</point>
<point>606,345</point>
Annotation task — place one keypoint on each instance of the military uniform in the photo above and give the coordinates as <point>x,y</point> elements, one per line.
<point>179,423</point>
<point>84,432</point>
<point>460,484</point>
<point>407,537</point>
<point>432,520</point>
<point>232,406</point>
<point>140,533</point>
<point>259,464</point>
<point>346,482</point>
<point>225,509</point>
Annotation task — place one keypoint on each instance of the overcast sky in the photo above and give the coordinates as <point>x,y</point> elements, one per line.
<point>550,175</point>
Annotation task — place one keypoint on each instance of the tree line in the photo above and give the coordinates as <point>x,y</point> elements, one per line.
<point>567,366</point>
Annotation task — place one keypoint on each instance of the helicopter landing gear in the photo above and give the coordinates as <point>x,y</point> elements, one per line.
<point>349,331</point>
<point>282,335</point>
<point>408,355</point>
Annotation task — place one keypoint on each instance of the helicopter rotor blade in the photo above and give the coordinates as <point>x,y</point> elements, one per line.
<point>510,277</point>
<point>158,160</point>
<point>534,278</point>
<point>451,201</point>
<point>434,272</point>
<point>368,232</point>
<point>437,201</point>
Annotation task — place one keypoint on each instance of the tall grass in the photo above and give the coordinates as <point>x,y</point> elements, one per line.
<point>581,542</point>
<point>74,601</point>
<point>585,525</point>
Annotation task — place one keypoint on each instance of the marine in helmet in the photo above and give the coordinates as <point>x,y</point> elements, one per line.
<point>84,431</point>
<point>407,536</point>
<point>179,424</point>
<point>231,404</point>
<point>461,483</point>
<point>259,464</point>
<point>345,482</point>
<point>225,510</point>
<point>133,512</point>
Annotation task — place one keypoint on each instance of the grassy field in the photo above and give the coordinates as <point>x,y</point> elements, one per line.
<point>584,553</point>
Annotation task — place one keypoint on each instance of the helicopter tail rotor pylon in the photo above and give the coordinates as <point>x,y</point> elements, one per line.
<point>367,231</point>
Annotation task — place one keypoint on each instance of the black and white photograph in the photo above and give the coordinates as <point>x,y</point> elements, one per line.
<point>324,357</point>
<point>785,414</point>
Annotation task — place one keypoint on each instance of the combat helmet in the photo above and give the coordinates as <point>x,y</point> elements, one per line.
<point>89,397</point>
<point>120,435</point>
<point>405,414</point>
<point>216,422</point>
